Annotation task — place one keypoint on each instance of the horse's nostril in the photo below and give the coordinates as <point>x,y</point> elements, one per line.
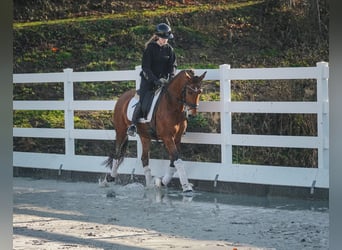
<point>191,113</point>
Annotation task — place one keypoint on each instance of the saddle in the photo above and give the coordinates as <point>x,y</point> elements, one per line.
<point>148,105</point>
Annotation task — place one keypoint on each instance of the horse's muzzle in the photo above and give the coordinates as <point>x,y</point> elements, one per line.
<point>191,112</point>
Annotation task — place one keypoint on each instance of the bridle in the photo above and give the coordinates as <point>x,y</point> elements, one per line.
<point>188,105</point>
<point>182,100</point>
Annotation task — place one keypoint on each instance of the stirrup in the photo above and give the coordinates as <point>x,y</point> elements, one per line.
<point>132,130</point>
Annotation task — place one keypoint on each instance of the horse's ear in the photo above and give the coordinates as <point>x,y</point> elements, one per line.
<point>203,75</point>
<point>188,75</point>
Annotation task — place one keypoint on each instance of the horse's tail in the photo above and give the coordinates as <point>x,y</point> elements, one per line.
<point>108,163</point>
<point>117,154</point>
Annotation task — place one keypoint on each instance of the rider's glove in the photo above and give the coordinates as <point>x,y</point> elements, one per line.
<point>160,82</point>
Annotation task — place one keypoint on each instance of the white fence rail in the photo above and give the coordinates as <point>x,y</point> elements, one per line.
<point>226,170</point>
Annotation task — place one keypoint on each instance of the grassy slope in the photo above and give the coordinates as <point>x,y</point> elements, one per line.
<point>244,34</point>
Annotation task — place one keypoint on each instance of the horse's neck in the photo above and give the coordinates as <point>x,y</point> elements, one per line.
<point>176,86</point>
<point>174,93</point>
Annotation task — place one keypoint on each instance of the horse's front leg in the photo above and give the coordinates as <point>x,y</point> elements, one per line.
<point>176,162</point>
<point>170,171</point>
<point>146,143</point>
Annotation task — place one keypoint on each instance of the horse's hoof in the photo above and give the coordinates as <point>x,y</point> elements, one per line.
<point>103,183</point>
<point>158,182</point>
<point>187,190</point>
<point>188,193</point>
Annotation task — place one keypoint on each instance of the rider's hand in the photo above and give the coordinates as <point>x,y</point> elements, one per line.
<point>160,82</point>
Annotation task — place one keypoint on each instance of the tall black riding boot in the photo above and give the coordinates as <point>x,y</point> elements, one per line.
<point>132,129</point>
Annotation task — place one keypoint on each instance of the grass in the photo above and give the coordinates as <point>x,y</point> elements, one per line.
<point>145,14</point>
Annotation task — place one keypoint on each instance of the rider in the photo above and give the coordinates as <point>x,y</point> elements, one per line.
<point>158,68</point>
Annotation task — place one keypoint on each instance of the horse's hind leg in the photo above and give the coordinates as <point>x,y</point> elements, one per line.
<point>115,158</point>
<point>120,149</point>
<point>120,123</point>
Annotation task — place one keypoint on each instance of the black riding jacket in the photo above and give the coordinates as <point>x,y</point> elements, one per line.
<point>157,62</point>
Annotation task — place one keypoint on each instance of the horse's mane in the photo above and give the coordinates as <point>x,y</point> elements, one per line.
<point>190,72</point>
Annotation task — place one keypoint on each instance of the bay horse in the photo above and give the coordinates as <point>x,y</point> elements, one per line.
<point>177,99</point>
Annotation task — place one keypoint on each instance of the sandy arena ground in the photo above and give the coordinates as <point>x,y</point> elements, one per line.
<point>50,214</point>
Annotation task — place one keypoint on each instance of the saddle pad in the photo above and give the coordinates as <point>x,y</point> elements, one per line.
<point>135,100</point>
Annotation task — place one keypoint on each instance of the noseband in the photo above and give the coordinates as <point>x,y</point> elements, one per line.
<point>183,100</point>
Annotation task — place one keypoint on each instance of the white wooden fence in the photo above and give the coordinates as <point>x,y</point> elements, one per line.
<point>225,170</point>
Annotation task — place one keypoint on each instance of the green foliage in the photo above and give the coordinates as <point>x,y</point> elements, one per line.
<point>101,90</point>
<point>194,37</point>
<point>197,122</point>
<point>38,91</point>
<point>38,119</point>
<point>39,145</point>
<point>204,122</point>
<point>93,120</point>
<point>275,156</point>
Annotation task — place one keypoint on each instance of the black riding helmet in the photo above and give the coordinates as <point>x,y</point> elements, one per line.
<point>164,31</point>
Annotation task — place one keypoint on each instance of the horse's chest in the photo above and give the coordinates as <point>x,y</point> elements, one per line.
<point>180,126</point>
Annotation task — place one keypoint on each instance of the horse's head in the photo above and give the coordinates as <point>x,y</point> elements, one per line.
<point>192,91</point>
<point>185,88</point>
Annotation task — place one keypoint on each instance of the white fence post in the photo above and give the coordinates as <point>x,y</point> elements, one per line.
<point>137,86</point>
<point>226,121</point>
<point>69,113</point>
<point>137,77</point>
<point>323,117</point>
